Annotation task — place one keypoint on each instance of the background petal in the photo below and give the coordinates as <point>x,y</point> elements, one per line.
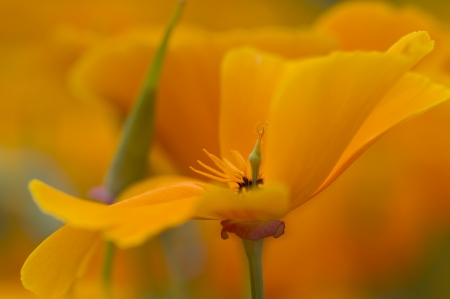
<point>377,25</point>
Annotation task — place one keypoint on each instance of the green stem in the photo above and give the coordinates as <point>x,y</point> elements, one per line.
<point>129,164</point>
<point>179,289</point>
<point>107,266</point>
<point>253,250</point>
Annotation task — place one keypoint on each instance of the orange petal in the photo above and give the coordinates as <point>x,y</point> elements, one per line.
<point>156,215</point>
<point>153,183</point>
<point>54,265</point>
<point>147,214</point>
<point>170,201</point>
<point>113,73</point>
<point>411,96</point>
<point>270,203</point>
<point>249,81</point>
<point>413,46</point>
<point>321,107</point>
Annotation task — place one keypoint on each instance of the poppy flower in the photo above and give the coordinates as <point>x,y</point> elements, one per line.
<point>322,113</point>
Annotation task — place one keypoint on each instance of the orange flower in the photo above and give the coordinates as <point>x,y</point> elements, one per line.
<point>322,113</point>
<point>374,26</point>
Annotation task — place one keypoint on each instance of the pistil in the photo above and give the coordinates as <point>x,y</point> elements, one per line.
<point>255,157</point>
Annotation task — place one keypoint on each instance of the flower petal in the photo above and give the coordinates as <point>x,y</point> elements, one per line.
<point>153,183</point>
<point>270,203</point>
<point>148,213</point>
<point>411,96</point>
<point>320,108</point>
<point>157,214</point>
<point>114,70</point>
<point>77,212</point>
<point>413,46</point>
<point>54,265</point>
<point>249,80</point>
<point>171,201</point>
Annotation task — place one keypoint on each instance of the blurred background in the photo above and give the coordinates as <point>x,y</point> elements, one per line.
<point>382,230</point>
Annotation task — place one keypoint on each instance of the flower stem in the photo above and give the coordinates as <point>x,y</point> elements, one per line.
<point>107,266</point>
<point>129,164</point>
<point>253,250</point>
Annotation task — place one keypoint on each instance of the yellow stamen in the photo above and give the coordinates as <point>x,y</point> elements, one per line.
<point>223,166</point>
<point>228,172</point>
<point>233,168</point>
<point>240,160</point>
<point>211,176</point>
<point>212,169</point>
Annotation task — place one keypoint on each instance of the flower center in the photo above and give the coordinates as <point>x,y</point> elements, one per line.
<point>237,175</point>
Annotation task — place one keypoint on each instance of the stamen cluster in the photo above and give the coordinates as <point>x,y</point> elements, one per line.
<point>235,176</point>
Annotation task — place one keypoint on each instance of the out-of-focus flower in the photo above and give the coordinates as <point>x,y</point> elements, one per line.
<point>323,112</point>
<point>37,141</point>
<point>374,26</point>
<point>26,20</point>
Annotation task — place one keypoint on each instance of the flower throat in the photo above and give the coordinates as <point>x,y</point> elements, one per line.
<point>237,175</point>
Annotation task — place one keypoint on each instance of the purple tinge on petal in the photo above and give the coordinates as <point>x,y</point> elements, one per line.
<point>99,193</point>
<point>252,230</point>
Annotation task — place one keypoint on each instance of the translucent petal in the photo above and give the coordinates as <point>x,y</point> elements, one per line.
<point>319,110</point>
<point>411,96</point>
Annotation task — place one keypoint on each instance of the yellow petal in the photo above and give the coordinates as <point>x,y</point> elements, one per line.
<point>321,106</point>
<point>139,224</point>
<point>195,67</point>
<point>270,203</point>
<point>113,73</point>
<point>133,219</point>
<point>152,184</point>
<point>170,202</point>
<point>413,46</point>
<point>411,96</point>
<point>52,267</point>
<point>147,214</point>
<point>77,212</point>
<point>249,80</point>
